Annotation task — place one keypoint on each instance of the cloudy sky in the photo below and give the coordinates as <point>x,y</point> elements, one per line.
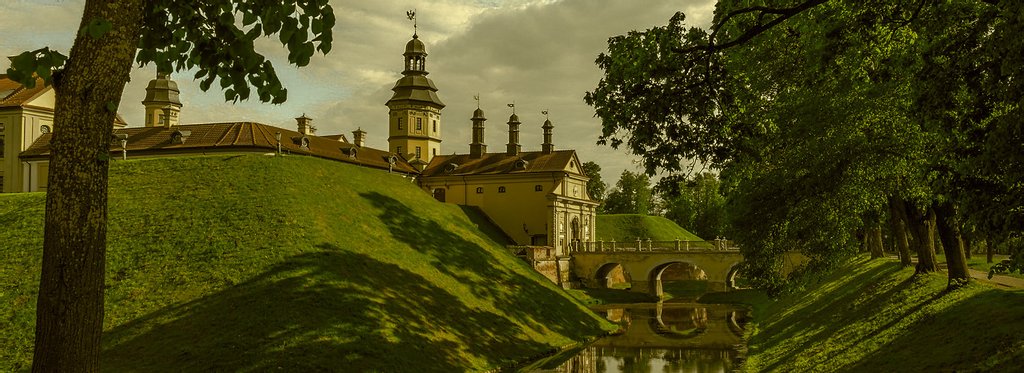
<point>538,53</point>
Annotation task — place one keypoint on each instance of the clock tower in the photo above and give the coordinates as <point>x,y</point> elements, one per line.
<point>414,118</point>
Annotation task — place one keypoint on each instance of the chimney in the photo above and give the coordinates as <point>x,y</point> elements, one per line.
<point>513,147</point>
<point>547,147</point>
<point>306,125</point>
<point>477,149</point>
<point>359,137</point>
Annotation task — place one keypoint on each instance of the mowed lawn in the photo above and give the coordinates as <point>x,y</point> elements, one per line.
<point>872,316</point>
<point>254,263</point>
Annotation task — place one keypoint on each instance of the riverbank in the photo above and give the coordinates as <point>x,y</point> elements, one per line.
<point>255,263</point>
<point>872,316</point>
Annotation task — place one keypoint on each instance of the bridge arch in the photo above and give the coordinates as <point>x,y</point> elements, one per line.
<point>654,277</point>
<point>730,277</point>
<point>611,275</point>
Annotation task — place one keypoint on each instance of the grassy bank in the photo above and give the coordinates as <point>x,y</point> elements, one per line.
<point>255,263</point>
<point>872,316</point>
<point>629,227</point>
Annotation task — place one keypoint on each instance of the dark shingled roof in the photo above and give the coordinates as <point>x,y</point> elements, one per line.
<point>13,94</point>
<point>499,163</point>
<point>237,136</point>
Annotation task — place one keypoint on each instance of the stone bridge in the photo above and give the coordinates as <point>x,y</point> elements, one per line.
<point>645,262</point>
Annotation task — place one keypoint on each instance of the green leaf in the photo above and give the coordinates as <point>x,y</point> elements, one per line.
<point>111,107</point>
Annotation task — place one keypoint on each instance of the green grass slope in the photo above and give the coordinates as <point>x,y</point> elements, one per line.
<point>629,227</point>
<point>255,263</point>
<point>871,316</point>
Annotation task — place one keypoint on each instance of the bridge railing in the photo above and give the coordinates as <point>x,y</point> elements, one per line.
<point>651,246</point>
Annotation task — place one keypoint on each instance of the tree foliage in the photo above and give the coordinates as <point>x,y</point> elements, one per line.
<point>698,205</point>
<point>820,113</point>
<point>595,187</point>
<point>632,195</point>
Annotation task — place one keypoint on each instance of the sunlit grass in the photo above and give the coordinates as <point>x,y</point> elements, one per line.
<point>872,316</point>
<point>255,263</point>
<point>629,227</point>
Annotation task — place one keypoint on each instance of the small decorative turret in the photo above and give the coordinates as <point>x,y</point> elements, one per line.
<point>306,125</point>
<point>162,102</point>
<point>359,137</point>
<point>477,149</point>
<point>547,147</point>
<point>513,147</point>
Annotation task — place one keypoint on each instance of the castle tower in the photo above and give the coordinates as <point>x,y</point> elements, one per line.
<point>513,147</point>
<point>477,149</point>
<point>547,147</point>
<point>162,103</point>
<point>414,126</point>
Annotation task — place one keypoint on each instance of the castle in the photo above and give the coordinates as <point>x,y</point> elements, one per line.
<point>537,198</point>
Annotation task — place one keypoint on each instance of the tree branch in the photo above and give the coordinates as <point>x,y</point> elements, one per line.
<point>783,15</point>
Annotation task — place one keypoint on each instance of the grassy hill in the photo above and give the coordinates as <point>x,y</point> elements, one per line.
<point>253,263</point>
<point>628,227</point>
<point>872,316</point>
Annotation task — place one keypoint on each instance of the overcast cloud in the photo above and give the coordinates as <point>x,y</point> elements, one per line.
<point>538,53</point>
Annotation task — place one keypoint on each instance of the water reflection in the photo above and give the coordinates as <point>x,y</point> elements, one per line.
<point>661,338</point>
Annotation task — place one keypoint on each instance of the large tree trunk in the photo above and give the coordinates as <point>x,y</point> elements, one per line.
<point>874,239</point>
<point>898,219</point>
<point>923,230</point>
<point>989,249</point>
<point>69,313</point>
<point>952,246</point>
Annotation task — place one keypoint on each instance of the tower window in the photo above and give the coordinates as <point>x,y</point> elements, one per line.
<point>399,125</point>
<point>419,124</point>
<point>435,126</point>
<point>418,152</point>
<point>398,150</point>
<point>538,188</point>
<point>501,189</point>
<point>435,152</point>
<point>479,190</point>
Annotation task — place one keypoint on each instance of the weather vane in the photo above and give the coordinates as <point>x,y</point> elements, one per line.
<point>545,112</point>
<point>513,106</point>
<point>412,17</point>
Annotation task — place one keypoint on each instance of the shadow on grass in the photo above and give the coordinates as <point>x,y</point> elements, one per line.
<point>532,298</point>
<point>826,310</point>
<point>982,332</point>
<point>319,311</point>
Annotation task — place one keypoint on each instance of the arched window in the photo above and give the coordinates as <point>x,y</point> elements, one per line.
<point>419,124</point>
<point>399,124</point>
<point>479,190</point>
<point>501,189</point>
<point>538,188</point>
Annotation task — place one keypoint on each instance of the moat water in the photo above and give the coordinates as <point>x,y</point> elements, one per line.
<point>660,337</point>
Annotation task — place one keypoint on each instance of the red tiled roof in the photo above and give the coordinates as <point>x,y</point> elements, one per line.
<point>241,136</point>
<point>13,94</point>
<point>499,163</point>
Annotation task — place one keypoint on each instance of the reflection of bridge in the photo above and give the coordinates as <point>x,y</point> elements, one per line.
<point>713,326</point>
<point>645,262</point>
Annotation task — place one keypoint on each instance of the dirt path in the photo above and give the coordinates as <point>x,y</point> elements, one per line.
<point>1002,281</point>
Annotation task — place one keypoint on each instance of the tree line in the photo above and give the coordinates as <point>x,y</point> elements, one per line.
<point>833,121</point>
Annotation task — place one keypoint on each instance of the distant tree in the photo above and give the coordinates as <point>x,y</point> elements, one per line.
<point>631,195</point>
<point>697,204</point>
<point>174,35</point>
<point>595,187</point>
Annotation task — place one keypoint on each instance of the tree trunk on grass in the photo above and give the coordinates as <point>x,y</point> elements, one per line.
<point>989,250</point>
<point>923,230</point>
<point>952,246</point>
<point>69,313</point>
<point>898,219</point>
<point>874,239</point>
